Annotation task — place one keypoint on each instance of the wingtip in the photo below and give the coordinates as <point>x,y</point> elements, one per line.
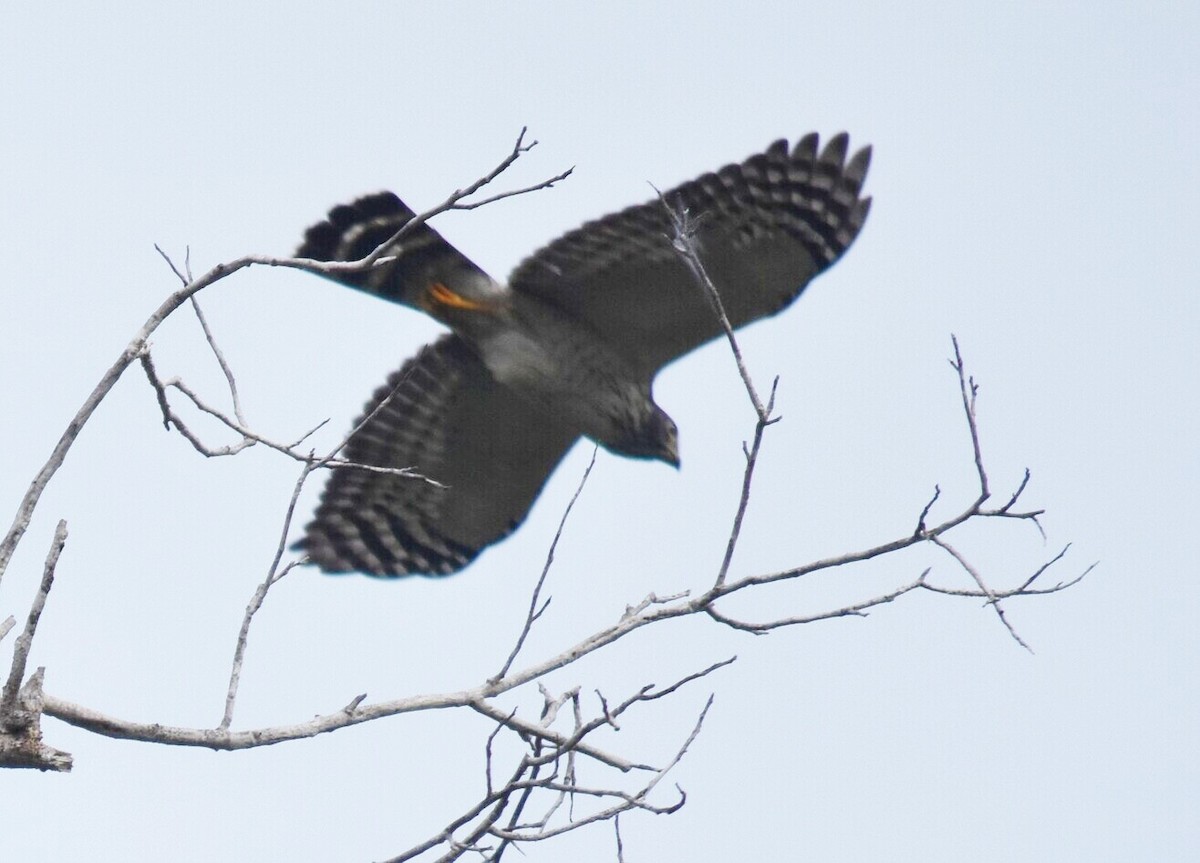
<point>835,150</point>
<point>856,169</point>
<point>806,148</point>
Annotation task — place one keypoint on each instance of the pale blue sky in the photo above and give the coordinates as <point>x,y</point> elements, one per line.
<point>1036,185</point>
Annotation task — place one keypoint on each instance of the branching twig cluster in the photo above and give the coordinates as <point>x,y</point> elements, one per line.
<point>541,795</point>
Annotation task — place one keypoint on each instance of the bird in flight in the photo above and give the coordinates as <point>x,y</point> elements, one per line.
<point>569,348</point>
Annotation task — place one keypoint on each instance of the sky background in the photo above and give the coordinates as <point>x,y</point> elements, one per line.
<point>1036,185</point>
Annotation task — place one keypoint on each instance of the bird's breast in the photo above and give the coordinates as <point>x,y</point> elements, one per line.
<point>566,371</point>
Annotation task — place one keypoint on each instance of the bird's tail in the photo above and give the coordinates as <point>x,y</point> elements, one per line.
<point>413,267</point>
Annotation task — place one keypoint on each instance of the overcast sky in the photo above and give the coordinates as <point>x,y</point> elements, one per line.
<point>1036,185</point>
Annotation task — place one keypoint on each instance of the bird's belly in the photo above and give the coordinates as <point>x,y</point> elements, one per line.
<point>520,363</point>
<point>570,383</point>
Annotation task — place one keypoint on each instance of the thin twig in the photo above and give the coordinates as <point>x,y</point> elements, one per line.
<point>183,279</point>
<point>684,243</point>
<point>937,492</point>
<point>535,611</point>
<point>968,390</point>
<point>649,695</point>
<point>739,516</point>
<point>250,437</point>
<point>514,818</point>
<point>992,599</point>
<point>274,574</point>
<point>225,369</point>
<point>500,196</point>
<point>858,609</point>
<point>453,202</point>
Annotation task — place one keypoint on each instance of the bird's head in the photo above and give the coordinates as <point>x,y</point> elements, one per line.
<point>656,436</point>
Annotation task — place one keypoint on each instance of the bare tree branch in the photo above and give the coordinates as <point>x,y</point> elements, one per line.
<point>8,700</point>
<point>548,766</point>
<point>21,707</point>
<point>21,743</point>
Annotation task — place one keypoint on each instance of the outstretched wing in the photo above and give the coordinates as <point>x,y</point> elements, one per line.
<point>419,259</point>
<point>765,228</point>
<point>448,419</point>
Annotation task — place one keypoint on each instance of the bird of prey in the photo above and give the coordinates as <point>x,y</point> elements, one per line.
<point>569,348</point>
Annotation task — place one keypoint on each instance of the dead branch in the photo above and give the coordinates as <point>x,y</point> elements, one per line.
<point>21,706</point>
<point>539,771</point>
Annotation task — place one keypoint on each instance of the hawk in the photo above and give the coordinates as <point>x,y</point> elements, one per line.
<point>569,348</point>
